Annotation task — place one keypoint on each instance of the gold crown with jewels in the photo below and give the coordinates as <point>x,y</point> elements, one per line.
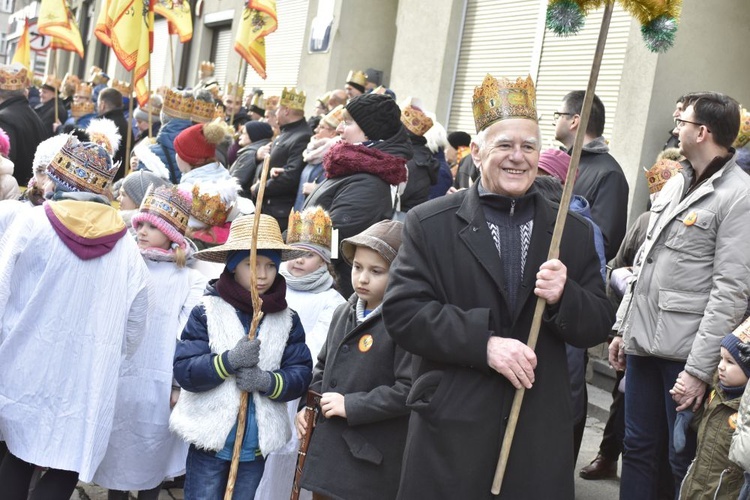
<point>292,99</point>
<point>85,90</point>
<point>743,135</point>
<point>170,204</point>
<point>415,120</point>
<point>79,109</point>
<point>357,77</point>
<point>503,99</point>
<point>313,226</point>
<point>203,111</point>
<point>178,105</point>
<point>207,68</point>
<point>13,77</point>
<point>122,87</point>
<point>660,173</point>
<point>208,205</point>
<point>235,89</point>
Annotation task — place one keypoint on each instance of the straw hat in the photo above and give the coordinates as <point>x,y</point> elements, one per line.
<point>241,237</point>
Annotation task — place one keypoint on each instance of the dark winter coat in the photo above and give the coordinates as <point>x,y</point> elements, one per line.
<point>25,131</point>
<point>286,153</point>
<point>467,173</point>
<point>164,147</point>
<point>423,173</point>
<point>244,168</point>
<point>446,296</point>
<point>118,117</point>
<point>46,112</point>
<point>603,184</point>
<point>359,457</point>
<point>445,178</point>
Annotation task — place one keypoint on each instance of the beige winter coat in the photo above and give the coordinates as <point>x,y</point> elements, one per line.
<point>8,184</point>
<point>693,275</point>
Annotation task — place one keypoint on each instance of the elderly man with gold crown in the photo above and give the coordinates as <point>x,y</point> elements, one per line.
<point>461,297</point>
<point>73,306</point>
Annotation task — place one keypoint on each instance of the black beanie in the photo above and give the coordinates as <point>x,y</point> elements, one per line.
<point>377,115</point>
<point>459,138</point>
<point>258,130</point>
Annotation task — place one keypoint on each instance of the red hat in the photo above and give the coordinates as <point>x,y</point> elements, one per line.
<point>197,144</point>
<point>555,162</point>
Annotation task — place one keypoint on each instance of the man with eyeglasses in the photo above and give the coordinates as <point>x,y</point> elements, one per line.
<point>691,288</point>
<point>600,178</point>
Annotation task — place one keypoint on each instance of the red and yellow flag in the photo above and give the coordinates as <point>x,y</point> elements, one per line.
<point>127,26</point>
<point>23,49</point>
<point>177,13</point>
<point>258,20</point>
<point>56,20</point>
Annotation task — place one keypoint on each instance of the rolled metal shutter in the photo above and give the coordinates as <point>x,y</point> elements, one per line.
<point>223,44</point>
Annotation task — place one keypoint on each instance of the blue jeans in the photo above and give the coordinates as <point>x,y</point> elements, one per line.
<point>206,476</point>
<point>745,491</point>
<point>649,423</point>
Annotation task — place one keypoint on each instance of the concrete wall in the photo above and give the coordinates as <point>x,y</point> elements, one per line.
<point>427,46</point>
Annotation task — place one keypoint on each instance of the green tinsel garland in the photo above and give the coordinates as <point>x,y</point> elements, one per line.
<point>565,17</point>
<point>659,34</point>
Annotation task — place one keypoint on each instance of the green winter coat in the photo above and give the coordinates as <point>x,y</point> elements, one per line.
<point>711,469</point>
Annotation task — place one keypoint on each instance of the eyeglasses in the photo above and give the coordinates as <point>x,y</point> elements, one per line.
<point>557,114</point>
<point>679,122</point>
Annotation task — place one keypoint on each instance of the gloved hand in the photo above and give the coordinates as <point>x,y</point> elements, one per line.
<point>681,425</point>
<point>245,354</point>
<point>253,379</point>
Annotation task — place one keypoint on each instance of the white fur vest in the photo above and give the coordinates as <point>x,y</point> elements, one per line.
<point>205,418</point>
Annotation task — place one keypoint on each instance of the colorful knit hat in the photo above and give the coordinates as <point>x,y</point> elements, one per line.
<point>383,237</point>
<point>168,209</point>
<point>197,144</point>
<point>82,166</point>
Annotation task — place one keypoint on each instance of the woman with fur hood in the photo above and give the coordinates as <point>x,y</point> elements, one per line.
<point>362,169</point>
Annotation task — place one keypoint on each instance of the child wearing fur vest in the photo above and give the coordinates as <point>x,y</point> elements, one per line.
<point>215,361</point>
<point>712,474</point>
<point>364,379</point>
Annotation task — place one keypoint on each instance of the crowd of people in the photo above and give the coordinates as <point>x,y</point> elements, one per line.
<point>398,268</point>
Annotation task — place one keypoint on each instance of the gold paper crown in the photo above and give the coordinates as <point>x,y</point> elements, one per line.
<point>312,226</point>
<point>207,68</point>
<point>79,109</point>
<point>497,100</point>
<point>214,88</point>
<point>13,77</point>
<point>122,87</point>
<point>170,204</point>
<point>203,111</point>
<point>357,77</point>
<point>258,101</point>
<point>293,100</point>
<point>52,81</point>
<point>323,100</point>
<point>177,105</point>
<point>85,90</point>
<point>94,70</point>
<point>82,166</point>
<point>334,117</point>
<point>743,135</point>
<point>660,173</point>
<point>209,208</point>
<point>415,120</point>
<point>743,331</point>
<point>235,90</point>
<point>71,79</point>
<point>218,113</point>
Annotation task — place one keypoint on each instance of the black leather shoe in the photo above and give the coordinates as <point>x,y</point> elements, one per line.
<point>600,468</point>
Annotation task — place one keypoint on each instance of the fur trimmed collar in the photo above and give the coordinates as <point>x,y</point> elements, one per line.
<point>345,159</point>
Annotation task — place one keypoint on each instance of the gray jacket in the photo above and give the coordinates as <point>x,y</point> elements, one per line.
<point>692,277</point>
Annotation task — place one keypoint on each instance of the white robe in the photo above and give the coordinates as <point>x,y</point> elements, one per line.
<point>315,311</point>
<point>142,451</point>
<point>66,325</point>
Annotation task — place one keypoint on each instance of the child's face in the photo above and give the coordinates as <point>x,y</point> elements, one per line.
<point>265,273</point>
<point>149,236</point>
<point>126,202</point>
<point>730,373</point>
<point>304,265</point>
<point>369,276</point>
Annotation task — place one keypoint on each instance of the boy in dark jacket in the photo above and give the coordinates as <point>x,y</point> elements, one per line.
<point>215,361</point>
<point>364,378</point>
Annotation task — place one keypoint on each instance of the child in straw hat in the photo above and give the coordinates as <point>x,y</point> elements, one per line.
<point>364,379</point>
<point>142,451</point>
<point>215,361</point>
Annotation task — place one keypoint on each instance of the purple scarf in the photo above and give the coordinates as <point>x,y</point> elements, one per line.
<point>274,300</point>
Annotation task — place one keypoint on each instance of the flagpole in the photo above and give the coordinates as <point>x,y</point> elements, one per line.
<point>236,88</point>
<point>54,80</point>
<point>171,61</point>
<point>150,104</point>
<point>130,117</point>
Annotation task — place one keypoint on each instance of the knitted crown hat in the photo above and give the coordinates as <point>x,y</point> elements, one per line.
<point>82,166</point>
<point>168,209</point>
<point>136,184</point>
<point>197,144</point>
<point>383,237</point>
<point>377,115</point>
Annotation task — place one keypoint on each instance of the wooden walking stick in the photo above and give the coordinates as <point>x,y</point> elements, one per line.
<point>257,315</point>
<point>554,248</point>
<point>311,412</point>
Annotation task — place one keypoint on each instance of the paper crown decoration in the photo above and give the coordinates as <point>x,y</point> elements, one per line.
<point>415,120</point>
<point>212,202</point>
<point>218,113</point>
<point>71,79</point>
<point>235,90</point>
<point>311,226</point>
<point>94,70</point>
<point>497,100</point>
<point>207,68</point>
<point>122,87</point>
<point>214,88</point>
<point>82,166</point>
<point>743,331</point>
<point>258,103</point>
<point>357,77</point>
<point>52,82</point>
<point>85,90</point>
<point>170,206</point>
<point>203,111</point>
<point>293,100</point>
<point>83,108</point>
<point>334,117</point>
<point>13,77</point>
<point>323,100</point>
<point>178,105</point>
<point>743,136</point>
<point>660,173</point>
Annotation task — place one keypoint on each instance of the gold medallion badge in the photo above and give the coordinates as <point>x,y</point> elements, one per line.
<point>365,342</point>
<point>691,219</point>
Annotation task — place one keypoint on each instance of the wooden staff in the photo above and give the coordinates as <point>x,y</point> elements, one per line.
<point>554,248</point>
<point>311,411</point>
<point>130,118</point>
<point>257,315</point>
<point>54,80</point>
<point>236,88</point>
<point>150,129</point>
<point>171,61</point>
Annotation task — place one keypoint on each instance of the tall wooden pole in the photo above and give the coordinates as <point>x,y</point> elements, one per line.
<point>236,88</point>
<point>150,104</point>
<point>129,132</point>
<point>54,80</point>
<point>171,61</point>
<point>554,249</point>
